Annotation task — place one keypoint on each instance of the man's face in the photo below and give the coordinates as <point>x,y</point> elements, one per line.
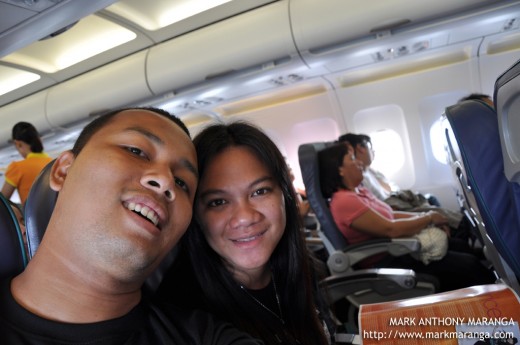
<point>127,198</point>
<point>365,153</point>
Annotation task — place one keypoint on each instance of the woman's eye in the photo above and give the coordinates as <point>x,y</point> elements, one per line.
<point>262,191</point>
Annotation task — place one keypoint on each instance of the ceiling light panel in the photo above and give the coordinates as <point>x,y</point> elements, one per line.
<point>159,14</point>
<point>89,37</point>
<point>13,78</point>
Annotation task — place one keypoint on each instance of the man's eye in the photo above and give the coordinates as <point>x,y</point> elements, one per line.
<point>216,202</point>
<point>182,184</point>
<point>136,151</point>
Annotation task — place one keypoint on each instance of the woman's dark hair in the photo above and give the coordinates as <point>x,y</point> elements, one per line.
<point>26,132</point>
<point>100,122</point>
<point>290,261</point>
<point>330,160</point>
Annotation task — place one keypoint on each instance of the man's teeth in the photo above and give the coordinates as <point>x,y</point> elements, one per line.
<point>145,211</point>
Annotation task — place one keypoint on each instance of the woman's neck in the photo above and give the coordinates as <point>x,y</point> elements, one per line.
<point>254,279</point>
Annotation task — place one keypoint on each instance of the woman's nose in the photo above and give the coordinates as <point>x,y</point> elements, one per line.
<point>244,214</point>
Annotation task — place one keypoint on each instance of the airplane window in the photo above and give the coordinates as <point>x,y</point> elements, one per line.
<point>437,142</point>
<point>388,151</point>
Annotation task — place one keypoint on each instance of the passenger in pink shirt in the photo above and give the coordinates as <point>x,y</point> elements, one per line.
<point>360,216</point>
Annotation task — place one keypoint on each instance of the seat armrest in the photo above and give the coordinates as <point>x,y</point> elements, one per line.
<point>342,261</point>
<point>384,281</point>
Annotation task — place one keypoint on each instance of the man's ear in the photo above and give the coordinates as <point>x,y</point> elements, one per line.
<point>60,169</point>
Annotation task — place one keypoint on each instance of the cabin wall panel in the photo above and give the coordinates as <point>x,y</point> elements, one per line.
<point>409,92</point>
<point>289,124</point>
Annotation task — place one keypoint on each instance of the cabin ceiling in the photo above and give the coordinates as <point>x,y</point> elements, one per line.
<point>46,44</point>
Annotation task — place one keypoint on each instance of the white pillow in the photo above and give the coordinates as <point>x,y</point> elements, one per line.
<point>434,244</point>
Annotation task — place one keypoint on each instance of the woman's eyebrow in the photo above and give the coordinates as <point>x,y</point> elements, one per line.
<point>215,191</point>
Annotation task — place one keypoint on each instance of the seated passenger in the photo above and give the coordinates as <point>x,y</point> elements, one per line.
<point>399,200</point>
<point>250,265</point>
<point>125,198</point>
<point>360,216</point>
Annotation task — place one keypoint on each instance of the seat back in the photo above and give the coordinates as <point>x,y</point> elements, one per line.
<point>38,208</point>
<point>471,129</point>
<point>507,105</point>
<point>309,165</point>
<point>12,250</point>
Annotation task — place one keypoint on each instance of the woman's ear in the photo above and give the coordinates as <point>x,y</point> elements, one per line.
<point>60,169</point>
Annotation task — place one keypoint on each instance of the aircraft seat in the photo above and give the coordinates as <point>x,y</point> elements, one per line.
<point>12,250</point>
<point>38,208</point>
<point>342,255</point>
<point>507,105</point>
<point>362,285</point>
<point>475,154</point>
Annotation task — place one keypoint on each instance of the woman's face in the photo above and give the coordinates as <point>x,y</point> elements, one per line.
<point>351,170</point>
<point>241,210</point>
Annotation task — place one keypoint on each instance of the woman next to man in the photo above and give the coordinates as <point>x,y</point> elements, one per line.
<point>244,257</point>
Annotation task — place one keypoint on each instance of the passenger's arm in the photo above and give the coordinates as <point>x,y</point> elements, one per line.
<point>403,214</point>
<point>373,223</point>
<point>7,190</point>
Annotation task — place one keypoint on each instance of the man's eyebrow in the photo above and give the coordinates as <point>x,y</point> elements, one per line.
<point>147,134</point>
<point>184,162</point>
<point>187,164</point>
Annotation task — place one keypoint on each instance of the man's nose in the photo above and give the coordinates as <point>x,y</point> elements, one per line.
<point>161,181</point>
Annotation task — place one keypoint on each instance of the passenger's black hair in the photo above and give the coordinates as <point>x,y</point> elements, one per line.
<point>290,262</point>
<point>330,160</point>
<point>477,96</point>
<point>354,139</point>
<point>26,132</point>
<point>100,122</point>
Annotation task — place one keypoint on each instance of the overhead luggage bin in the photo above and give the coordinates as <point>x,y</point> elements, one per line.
<point>252,41</point>
<point>111,86</point>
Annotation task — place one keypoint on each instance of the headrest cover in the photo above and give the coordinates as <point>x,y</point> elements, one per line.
<point>38,209</point>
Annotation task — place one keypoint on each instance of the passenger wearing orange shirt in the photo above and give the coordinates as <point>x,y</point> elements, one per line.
<point>21,174</point>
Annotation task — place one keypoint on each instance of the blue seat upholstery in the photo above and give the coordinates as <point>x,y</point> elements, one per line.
<point>471,129</point>
<point>13,258</point>
<point>38,209</point>
<point>507,105</point>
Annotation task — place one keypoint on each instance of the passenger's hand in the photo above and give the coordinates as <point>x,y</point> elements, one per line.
<point>437,218</point>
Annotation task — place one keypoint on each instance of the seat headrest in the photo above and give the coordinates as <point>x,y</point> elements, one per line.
<point>309,165</point>
<point>13,258</point>
<point>38,209</point>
